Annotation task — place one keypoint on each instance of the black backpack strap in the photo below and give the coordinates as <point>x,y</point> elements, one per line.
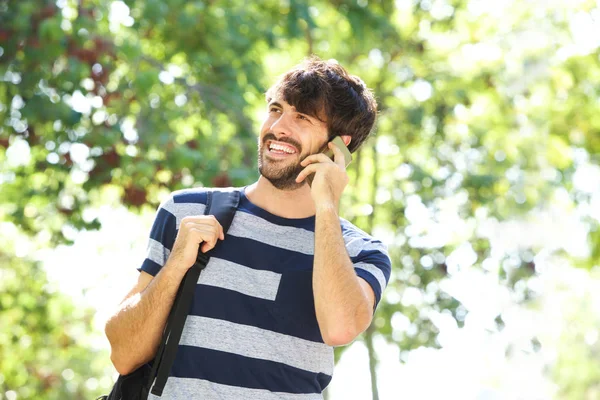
<point>221,204</point>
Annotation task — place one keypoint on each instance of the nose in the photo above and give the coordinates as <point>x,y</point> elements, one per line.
<point>282,125</point>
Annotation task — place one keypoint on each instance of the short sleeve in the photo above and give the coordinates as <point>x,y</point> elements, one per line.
<point>162,237</point>
<point>371,262</point>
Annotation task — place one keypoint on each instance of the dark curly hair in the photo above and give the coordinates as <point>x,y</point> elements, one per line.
<point>325,90</point>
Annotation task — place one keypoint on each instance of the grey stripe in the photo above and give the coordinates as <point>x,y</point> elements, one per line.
<point>252,227</point>
<point>189,388</point>
<point>286,237</point>
<point>373,270</point>
<point>157,252</point>
<point>355,245</point>
<point>253,342</point>
<point>229,275</point>
<point>181,210</point>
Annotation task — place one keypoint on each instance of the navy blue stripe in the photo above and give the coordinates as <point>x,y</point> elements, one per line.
<point>150,267</point>
<point>293,312</point>
<point>164,229</point>
<point>251,253</point>
<point>235,370</point>
<point>376,258</point>
<point>367,276</point>
<point>370,255</point>
<point>379,260</point>
<point>261,256</point>
<point>196,197</point>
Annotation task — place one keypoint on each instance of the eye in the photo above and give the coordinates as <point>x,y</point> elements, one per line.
<point>274,109</point>
<point>303,117</point>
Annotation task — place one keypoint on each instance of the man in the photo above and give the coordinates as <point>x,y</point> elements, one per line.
<point>289,280</point>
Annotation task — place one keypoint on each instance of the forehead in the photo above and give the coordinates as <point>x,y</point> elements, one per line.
<point>279,101</point>
<point>313,107</point>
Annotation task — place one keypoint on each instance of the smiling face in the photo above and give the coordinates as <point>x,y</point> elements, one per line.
<point>286,138</point>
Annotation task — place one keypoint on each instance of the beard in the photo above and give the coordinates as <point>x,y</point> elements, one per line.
<point>280,173</point>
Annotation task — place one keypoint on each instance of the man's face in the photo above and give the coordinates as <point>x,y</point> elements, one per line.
<point>286,138</point>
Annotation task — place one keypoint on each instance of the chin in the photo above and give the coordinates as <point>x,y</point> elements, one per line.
<point>282,175</point>
<point>282,180</point>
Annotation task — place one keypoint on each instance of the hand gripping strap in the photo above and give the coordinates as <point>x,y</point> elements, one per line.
<point>222,205</point>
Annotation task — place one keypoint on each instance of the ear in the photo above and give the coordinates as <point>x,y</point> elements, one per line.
<point>346,139</point>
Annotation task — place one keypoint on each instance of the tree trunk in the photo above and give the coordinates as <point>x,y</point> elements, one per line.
<point>371,330</point>
<point>372,361</point>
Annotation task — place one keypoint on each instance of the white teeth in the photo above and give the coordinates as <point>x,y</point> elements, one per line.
<point>281,148</point>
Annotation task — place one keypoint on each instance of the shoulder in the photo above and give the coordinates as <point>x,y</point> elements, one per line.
<point>357,240</point>
<point>351,231</point>
<point>196,195</point>
<point>191,195</point>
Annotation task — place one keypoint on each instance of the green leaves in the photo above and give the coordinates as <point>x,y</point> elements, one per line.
<point>49,334</point>
<point>475,123</point>
<point>50,30</point>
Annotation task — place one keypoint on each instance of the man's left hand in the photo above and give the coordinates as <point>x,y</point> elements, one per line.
<point>330,176</point>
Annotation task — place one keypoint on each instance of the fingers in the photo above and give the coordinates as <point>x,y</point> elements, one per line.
<point>338,157</point>
<point>320,160</point>
<point>315,158</point>
<point>204,220</point>
<point>311,169</point>
<point>203,229</point>
<point>208,237</point>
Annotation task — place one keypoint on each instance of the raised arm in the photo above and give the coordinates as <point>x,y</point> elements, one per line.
<point>344,302</point>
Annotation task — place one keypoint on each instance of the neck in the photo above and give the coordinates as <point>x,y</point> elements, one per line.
<point>296,203</point>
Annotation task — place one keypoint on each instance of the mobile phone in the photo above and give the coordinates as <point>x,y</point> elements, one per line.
<point>342,146</point>
<point>329,153</point>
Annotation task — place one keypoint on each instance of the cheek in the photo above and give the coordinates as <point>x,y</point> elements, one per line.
<point>319,145</point>
<point>267,122</point>
<point>264,127</point>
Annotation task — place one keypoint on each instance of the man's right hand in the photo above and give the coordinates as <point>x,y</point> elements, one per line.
<point>193,231</point>
<point>136,328</point>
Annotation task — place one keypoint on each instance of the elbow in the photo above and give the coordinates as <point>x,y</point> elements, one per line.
<point>127,359</point>
<point>124,363</point>
<point>108,332</point>
<point>122,367</point>
<point>341,336</point>
<point>344,334</point>
<point>119,362</point>
<point>337,340</point>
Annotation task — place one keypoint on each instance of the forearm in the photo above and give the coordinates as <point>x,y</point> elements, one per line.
<point>135,331</point>
<point>341,305</point>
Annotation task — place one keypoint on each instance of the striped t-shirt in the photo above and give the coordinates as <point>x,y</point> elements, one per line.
<point>252,332</point>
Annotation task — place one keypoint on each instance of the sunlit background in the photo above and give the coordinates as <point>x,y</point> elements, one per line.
<point>482,178</point>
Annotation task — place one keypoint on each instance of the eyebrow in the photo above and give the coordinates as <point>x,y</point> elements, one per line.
<point>276,104</point>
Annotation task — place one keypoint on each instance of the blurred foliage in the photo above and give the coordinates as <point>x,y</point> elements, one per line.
<point>575,370</point>
<point>45,349</point>
<point>487,111</point>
